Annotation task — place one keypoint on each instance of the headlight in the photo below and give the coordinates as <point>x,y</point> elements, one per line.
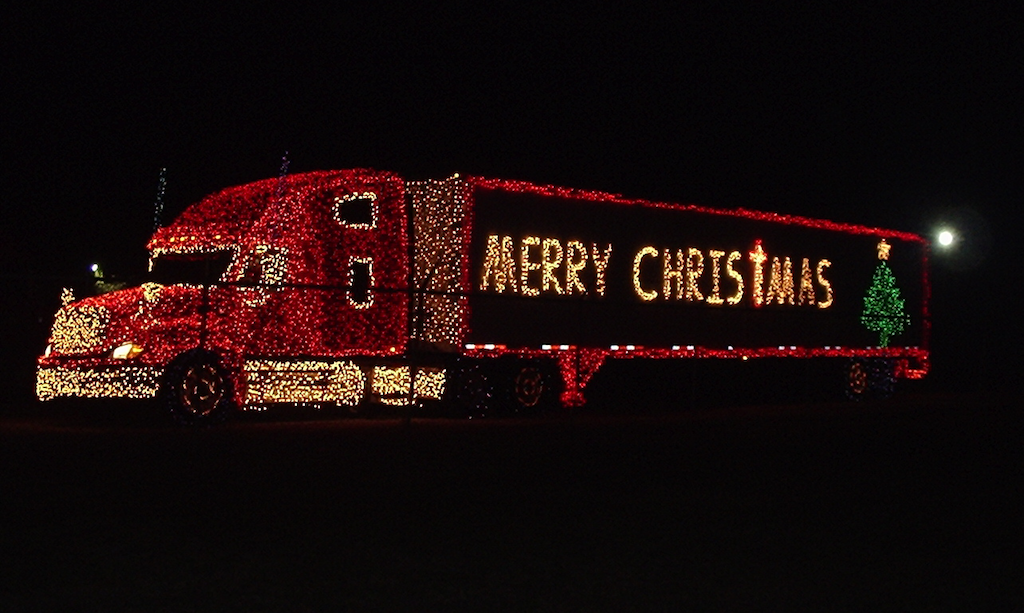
<point>126,351</point>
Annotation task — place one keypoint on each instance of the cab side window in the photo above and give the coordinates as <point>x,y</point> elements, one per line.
<point>264,266</point>
<point>360,280</point>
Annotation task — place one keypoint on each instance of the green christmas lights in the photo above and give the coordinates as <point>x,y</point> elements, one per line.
<point>884,310</point>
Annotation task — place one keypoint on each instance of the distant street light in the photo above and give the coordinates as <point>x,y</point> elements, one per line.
<point>962,238</point>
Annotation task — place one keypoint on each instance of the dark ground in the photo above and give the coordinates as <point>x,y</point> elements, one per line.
<point>907,504</point>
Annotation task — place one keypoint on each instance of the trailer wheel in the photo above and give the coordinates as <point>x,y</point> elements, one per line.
<point>528,386</point>
<point>874,377</point>
<point>534,387</point>
<point>882,378</point>
<point>197,389</point>
<point>856,379</point>
<point>470,389</point>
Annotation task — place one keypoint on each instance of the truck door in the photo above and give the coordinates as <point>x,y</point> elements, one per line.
<point>365,265</point>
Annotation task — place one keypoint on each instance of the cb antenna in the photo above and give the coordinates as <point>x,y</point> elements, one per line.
<point>282,176</point>
<point>279,196</point>
<point>158,205</point>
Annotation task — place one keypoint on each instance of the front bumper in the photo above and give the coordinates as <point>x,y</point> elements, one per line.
<point>120,381</point>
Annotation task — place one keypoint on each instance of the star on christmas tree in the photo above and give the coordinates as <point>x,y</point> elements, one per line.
<point>884,310</point>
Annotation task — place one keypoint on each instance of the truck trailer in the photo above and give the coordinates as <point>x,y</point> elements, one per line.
<point>359,288</point>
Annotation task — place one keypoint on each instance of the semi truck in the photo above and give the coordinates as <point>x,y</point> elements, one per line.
<point>362,289</point>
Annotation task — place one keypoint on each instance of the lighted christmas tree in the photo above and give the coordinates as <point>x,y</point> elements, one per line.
<point>884,310</point>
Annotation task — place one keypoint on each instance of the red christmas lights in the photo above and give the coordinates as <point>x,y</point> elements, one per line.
<point>322,297</point>
<point>596,196</point>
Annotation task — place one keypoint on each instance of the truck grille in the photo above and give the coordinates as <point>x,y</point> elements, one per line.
<point>79,329</point>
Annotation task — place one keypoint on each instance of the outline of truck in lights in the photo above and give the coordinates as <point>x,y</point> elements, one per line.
<point>360,289</point>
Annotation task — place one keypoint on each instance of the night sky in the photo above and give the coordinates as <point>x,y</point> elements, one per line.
<point>892,118</point>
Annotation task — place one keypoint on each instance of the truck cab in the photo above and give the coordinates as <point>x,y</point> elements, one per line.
<point>251,290</point>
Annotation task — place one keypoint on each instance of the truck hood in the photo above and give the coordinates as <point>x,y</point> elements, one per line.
<point>157,318</point>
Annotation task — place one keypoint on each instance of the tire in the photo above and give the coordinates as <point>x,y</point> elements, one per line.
<point>469,389</point>
<point>856,383</point>
<point>533,387</point>
<point>528,387</point>
<point>873,378</point>
<point>882,378</point>
<point>197,389</point>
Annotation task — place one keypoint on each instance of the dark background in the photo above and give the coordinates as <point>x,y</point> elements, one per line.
<point>898,117</point>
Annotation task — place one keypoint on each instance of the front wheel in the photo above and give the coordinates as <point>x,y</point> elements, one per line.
<point>197,389</point>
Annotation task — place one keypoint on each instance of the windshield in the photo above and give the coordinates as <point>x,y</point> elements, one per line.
<point>201,268</point>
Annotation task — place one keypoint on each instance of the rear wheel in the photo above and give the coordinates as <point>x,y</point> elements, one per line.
<point>870,377</point>
<point>856,379</point>
<point>534,386</point>
<point>197,389</point>
<point>468,390</point>
<point>528,387</point>
<point>882,378</point>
